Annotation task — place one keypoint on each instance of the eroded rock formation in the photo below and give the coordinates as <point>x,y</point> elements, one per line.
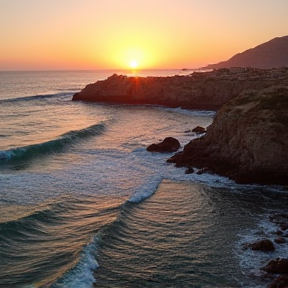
<point>200,90</point>
<point>247,141</point>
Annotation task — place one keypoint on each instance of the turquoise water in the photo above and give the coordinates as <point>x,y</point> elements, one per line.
<point>83,204</point>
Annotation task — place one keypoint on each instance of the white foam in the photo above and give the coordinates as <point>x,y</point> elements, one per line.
<point>81,275</point>
<point>146,189</point>
<point>252,261</point>
<point>199,113</point>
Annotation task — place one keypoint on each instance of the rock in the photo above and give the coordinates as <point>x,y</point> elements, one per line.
<point>189,170</point>
<point>279,282</point>
<point>277,266</point>
<point>279,240</point>
<point>169,144</point>
<point>281,220</point>
<point>201,90</point>
<point>264,245</point>
<point>199,130</point>
<point>247,141</point>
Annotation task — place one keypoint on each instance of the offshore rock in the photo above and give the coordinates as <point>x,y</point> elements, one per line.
<point>277,266</point>
<point>169,144</point>
<point>279,282</point>
<point>199,130</point>
<point>264,245</point>
<point>200,90</point>
<point>247,141</point>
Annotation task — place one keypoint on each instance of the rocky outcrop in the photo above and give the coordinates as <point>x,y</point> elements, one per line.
<point>271,54</point>
<point>200,90</point>
<point>247,141</point>
<point>277,266</point>
<point>168,145</point>
<point>264,245</point>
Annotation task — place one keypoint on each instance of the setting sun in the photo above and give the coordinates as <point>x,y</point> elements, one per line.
<point>133,64</point>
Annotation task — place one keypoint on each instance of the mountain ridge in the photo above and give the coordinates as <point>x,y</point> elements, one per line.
<point>271,54</point>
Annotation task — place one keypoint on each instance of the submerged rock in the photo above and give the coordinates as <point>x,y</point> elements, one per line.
<point>169,144</point>
<point>247,141</point>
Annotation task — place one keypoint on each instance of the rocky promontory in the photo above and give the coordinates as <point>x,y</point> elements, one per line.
<point>199,90</point>
<point>248,139</point>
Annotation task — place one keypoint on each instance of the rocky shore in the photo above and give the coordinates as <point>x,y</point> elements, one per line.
<point>200,90</point>
<point>247,141</point>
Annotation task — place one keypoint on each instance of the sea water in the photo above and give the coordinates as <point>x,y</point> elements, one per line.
<point>83,204</point>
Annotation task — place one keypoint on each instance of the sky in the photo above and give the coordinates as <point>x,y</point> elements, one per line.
<point>149,34</point>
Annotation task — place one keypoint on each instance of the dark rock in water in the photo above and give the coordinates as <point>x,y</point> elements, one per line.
<point>281,220</point>
<point>189,170</point>
<point>277,266</point>
<point>199,130</point>
<point>264,245</point>
<point>247,141</point>
<point>279,240</point>
<point>279,282</point>
<point>169,144</point>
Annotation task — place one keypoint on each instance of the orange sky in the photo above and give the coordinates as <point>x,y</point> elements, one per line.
<point>108,34</point>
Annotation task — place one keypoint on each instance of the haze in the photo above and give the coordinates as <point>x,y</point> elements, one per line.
<point>152,34</point>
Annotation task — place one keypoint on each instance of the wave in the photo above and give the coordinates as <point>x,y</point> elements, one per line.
<point>36,97</point>
<point>82,274</point>
<point>146,190</point>
<point>197,113</point>
<point>52,146</point>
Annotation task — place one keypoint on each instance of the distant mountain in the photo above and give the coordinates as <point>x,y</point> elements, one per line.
<point>271,54</point>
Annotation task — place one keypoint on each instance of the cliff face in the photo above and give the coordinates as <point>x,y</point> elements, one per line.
<point>207,91</point>
<point>247,141</point>
<point>271,54</point>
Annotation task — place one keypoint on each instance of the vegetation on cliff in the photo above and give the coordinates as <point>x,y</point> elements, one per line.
<point>247,141</point>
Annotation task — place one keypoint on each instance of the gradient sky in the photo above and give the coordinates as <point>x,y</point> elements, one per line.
<point>108,34</point>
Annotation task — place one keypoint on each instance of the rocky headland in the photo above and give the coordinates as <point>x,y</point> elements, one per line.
<point>247,141</point>
<point>199,90</point>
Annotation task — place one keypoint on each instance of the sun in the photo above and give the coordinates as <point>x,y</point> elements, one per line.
<point>133,64</point>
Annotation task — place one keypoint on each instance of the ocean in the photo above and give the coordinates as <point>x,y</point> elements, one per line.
<point>83,204</point>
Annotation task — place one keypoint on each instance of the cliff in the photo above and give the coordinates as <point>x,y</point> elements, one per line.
<point>247,141</point>
<point>200,90</point>
<point>271,54</point>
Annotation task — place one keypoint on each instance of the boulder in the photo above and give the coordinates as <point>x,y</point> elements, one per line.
<point>277,266</point>
<point>199,130</point>
<point>247,141</point>
<point>169,144</point>
<point>263,245</point>
<point>281,220</point>
<point>279,282</point>
<point>279,240</point>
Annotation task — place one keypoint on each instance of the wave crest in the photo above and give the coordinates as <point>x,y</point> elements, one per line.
<point>52,146</point>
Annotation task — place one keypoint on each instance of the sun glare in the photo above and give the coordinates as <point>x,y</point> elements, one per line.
<point>133,64</point>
